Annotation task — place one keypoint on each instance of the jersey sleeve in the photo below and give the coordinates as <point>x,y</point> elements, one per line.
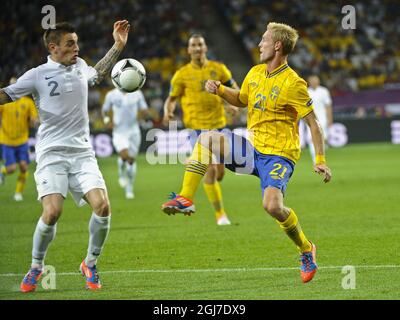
<point>226,77</point>
<point>176,89</point>
<point>89,72</point>
<point>299,99</point>
<point>24,86</point>
<point>107,103</point>
<point>142,101</point>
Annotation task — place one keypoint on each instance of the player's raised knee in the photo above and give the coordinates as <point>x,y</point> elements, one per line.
<point>275,209</point>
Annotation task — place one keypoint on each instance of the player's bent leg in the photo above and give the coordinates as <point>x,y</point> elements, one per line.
<point>98,200</point>
<point>44,234</point>
<point>99,227</point>
<point>196,167</point>
<point>288,222</point>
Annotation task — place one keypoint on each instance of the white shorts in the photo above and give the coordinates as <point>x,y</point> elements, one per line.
<point>60,171</point>
<point>129,140</point>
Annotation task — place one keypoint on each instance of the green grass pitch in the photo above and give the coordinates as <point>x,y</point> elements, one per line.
<point>354,220</point>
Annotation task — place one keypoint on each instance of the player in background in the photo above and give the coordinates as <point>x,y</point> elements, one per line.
<point>276,98</point>
<point>124,109</point>
<point>322,103</point>
<point>65,157</point>
<point>16,119</point>
<point>202,111</point>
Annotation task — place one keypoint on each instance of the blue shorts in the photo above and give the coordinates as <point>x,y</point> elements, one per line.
<point>273,171</point>
<point>16,154</point>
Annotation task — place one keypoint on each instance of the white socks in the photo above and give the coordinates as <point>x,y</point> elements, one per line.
<point>121,168</point>
<point>42,237</point>
<point>131,174</point>
<point>44,234</point>
<point>98,231</point>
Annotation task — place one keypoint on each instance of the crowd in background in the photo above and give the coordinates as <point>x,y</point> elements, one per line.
<point>346,60</point>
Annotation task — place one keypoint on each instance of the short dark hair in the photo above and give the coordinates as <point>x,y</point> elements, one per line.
<point>196,35</point>
<point>54,35</point>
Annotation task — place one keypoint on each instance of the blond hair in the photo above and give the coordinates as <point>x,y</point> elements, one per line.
<point>285,34</point>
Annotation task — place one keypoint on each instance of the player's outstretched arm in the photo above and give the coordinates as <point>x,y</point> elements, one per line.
<point>320,166</point>
<point>120,34</point>
<point>230,95</point>
<point>4,98</point>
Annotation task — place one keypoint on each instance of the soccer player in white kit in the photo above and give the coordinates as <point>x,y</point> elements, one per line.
<point>65,158</point>
<point>322,103</point>
<point>125,108</point>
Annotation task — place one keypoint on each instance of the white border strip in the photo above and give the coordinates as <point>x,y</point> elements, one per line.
<point>207,270</point>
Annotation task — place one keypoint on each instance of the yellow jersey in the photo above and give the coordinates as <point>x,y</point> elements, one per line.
<point>15,120</point>
<point>276,101</point>
<point>201,110</point>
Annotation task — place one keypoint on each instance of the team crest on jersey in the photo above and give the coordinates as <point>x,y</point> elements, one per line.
<point>213,74</point>
<point>253,84</point>
<point>274,93</point>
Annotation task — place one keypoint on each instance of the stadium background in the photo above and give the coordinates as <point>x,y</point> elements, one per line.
<point>360,67</point>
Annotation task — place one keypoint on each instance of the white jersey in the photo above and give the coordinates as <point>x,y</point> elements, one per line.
<point>125,107</point>
<point>61,95</point>
<point>321,100</point>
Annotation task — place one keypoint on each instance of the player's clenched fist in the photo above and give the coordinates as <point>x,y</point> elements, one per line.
<point>212,86</point>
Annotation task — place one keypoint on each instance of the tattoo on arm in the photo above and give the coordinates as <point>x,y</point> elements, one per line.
<point>4,98</point>
<point>104,65</point>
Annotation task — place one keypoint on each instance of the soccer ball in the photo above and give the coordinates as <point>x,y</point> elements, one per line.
<point>128,75</point>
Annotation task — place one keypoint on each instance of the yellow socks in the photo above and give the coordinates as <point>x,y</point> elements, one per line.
<point>214,195</point>
<point>195,170</point>
<point>292,228</point>
<point>21,182</point>
<point>3,170</point>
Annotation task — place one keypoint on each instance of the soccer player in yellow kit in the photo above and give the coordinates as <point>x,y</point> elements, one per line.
<point>276,98</point>
<point>16,118</point>
<point>202,111</point>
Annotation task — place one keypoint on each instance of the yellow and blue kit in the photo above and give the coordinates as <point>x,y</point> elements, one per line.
<point>201,110</point>
<point>14,129</point>
<point>276,101</point>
